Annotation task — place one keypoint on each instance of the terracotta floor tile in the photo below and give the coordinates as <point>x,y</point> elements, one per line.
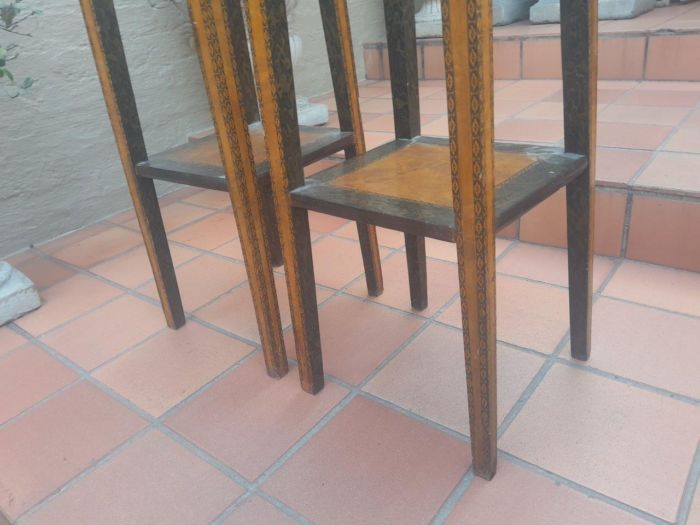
<point>654,347</point>
<point>215,200</point>
<point>531,500</point>
<point>338,261</point>
<point>443,284</point>
<point>694,516</point>
<point>323,223</point>
<point>656,115</point>
<point>132,269</point>
<point>659,286</point>
<point>643,97</point>
<point>209,233</point>
<point>369,465</point>
<point>619,165</point>
<point>171,366</point>
<point>437,128</point>
<point>547,264</point>
<point>602,434</point>
<point>504,109</point>
<point>202,279</point>
<point>56,441</point>
<point>685,140</point>
<point>154,480</point>
<point>44,272</point>
<point>678,171</point>
<point>388,238</point>
<point>28,376</point>
<point>248,420</point>
<point>256,511</point>
<point>544,111</point>
<point>65,301</point>
<point>428,378</point>
<point>665,85</point>
<point>106,331</point>
<point>72,238</point>
<point>377,105</point>
<point>376,139</point>
<point>523,130</point>
<point>356,336</point>
<point>235,313</point>
<point>9,340</point>
<point>530,90</point>
<point>635,136</point>
<point>232,249</point>
<point>447,251</point>
<point>176,215</point>
<point>92,250</point>
<point>519,321</point>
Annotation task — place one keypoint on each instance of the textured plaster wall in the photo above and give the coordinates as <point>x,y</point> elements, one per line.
<point>59,165</point>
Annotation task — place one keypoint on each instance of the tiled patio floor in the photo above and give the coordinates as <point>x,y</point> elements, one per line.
<point>107,416</point>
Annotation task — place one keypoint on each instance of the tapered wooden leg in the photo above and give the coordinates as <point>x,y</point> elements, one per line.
<point>147,209</point>
<point>579,217</point>
<point>417,272</point>
<point>271,230</point>
<point>370,257</point>
<point>302,296</point>
<point>478,299</point>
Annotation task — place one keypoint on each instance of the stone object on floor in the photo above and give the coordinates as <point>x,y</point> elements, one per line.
<point>18,295</point>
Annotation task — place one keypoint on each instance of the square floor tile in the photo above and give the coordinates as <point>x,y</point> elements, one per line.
<point>234,311</point>
<point>132,269</point>
<point>175,215</point>
<point>635,136</point>
<point>428,378</point>
<point>528,314</point>
<point>154,480</point>
<point>685,140</point>
<point>619,165</point>
<point>202,280</point>
<point>65,301</point>
<point>72,238</point>
<point>648,345</point>
<point>248,420</point>
<point>53,443</point>
<point>447,251</point>
<point>215,200</point>
<point>656,115</point>
<point>443,284</point>
<point>676,171</point>
<point>356,336</point>
<point>371,465</point>
<point>659,286</point>
<point>547,264</point>
<point>107,331</point>
<point>337,261</point>
<point>516,495</point>
<point>660,98</point>
<point>632,445</point>
<point>92,250</point>
<point>208,233</point>
<point>9,340</point>
<point>171,366</point>
<point>323,223</point>
<point>257,511</point>
<point>43,271</point>
<point>524,130</point>
<point>28,376</point>
<point>530,90</point>
<point>385,237</point>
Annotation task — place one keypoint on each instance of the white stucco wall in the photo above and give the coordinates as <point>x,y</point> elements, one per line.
<point>60,169</point>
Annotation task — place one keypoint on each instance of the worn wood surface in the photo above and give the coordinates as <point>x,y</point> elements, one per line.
<point>406,185</point>
<point>108,51</point>
<point>579,30</point>
<point>213,29</point>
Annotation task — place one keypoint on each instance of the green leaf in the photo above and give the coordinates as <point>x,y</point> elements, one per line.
<point>27,83</point>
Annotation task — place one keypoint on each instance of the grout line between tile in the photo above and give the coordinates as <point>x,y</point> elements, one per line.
<point>453,499</point>
<point>691,491</point>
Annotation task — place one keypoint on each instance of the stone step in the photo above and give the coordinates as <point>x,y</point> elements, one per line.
<point>659,45</point>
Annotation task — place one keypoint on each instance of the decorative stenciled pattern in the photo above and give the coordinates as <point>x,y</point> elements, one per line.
<point>480,210</point>
<point>237,153</point>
